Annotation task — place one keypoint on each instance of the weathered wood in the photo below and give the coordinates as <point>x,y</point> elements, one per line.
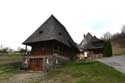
<point>51,38</point>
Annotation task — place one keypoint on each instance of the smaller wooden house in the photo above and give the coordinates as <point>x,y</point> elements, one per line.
<point>51,44</point>
<point>91,47</point>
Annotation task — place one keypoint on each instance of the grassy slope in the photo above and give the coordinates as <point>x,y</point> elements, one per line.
<point>72,72</point>
<point>9,65</point>
<point>85,72</point>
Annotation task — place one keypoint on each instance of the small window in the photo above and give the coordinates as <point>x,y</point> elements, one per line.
<point>60,33</point>
<point>40,32</point>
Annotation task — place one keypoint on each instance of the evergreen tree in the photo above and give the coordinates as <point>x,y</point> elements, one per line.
<point>107,48</point>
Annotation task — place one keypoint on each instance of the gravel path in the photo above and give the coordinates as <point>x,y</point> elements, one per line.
<point>118,62</point>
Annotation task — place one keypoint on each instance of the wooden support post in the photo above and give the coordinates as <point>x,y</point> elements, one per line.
<point>26,50</point>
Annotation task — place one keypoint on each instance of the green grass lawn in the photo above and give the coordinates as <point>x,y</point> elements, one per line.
<point>70,72</point>
<point>9,65</point>
<point>85,72</point>
<point>7,59</point>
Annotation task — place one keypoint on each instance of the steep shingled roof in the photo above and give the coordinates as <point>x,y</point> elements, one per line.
<point>51,29</point>
<point>90,42</point>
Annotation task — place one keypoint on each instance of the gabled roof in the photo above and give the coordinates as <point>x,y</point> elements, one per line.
<point>51,29</point>
<point>88,37</point>
<point>90,42</point>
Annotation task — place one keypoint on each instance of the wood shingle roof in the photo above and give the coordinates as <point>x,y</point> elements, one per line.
<point>51,29</point>
<point>90,42</point>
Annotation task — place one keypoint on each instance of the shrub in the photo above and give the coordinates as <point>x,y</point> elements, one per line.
<point>107,48</point>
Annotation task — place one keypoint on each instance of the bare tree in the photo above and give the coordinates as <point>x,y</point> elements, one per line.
<point>123,29</point>
<point>119,38</point>
<point>5,50</point>
<point>20,50</point>
<point>107,36</point>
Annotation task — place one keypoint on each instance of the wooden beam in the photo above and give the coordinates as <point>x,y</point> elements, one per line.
<point>26,50</point>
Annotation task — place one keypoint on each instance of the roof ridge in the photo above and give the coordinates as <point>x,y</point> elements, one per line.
<point>50,31</point>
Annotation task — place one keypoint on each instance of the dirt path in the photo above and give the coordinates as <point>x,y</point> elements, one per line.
<point>26,77</point>
<point>118,62</point>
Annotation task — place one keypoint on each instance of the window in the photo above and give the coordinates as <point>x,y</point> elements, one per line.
<point>61,50</point>
<point>60,33</point>
<point>55,48</point>
<point>40,32</point>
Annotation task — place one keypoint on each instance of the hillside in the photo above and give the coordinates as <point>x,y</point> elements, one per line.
<point>118,43</point>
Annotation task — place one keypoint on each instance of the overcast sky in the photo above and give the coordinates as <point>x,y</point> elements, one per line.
<point>20,18</point>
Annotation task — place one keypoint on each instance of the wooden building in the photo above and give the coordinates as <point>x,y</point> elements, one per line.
<point>91,47</point>
<point>51,44</point>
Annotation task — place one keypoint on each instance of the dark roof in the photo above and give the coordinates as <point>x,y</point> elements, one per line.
<point>51,29</point>
<point>88,36</point>
<point>90,42</point>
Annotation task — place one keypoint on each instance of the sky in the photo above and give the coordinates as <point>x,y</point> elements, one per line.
<point>20,18</point>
